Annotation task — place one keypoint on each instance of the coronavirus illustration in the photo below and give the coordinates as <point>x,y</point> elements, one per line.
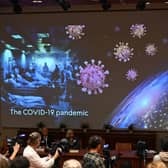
<point>138,30</point>
<point>131,75</point>
<point>123,52</point>
<point>165,40</point>
<point>75,32</point>
<point>92,77</point>
<point>151,49</point>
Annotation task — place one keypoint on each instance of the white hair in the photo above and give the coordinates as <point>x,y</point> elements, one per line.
<point>72,163</point>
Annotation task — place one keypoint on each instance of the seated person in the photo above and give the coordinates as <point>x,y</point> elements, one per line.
<point>93,159</point>
<point>72,163</point>
<point>163,154</point>
<point>11,80</point>
<point>19,162</point>
<point>156,164</point>
<point>73,142</point>
<point>35,160</point>
<point>45,139</point>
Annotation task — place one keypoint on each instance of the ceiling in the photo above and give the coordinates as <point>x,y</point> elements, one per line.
<point>73,2</point>
<point>80,5</point>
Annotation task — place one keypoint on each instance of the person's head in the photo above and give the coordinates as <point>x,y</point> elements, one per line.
<point>156,164</point>
<point>34,139</point>
<point>72,163</point>
<point>95,142</point>
<point>19,162</point>
<point>164,144</point>
<point>3,162</point>
<point>70,134</point>
<point>44,131</point>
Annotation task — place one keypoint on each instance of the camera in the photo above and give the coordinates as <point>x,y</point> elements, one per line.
<point>141,149</point>
<point>106,151</point>
<point>62,147</point>
<point>110,161</point>
<point>20,139</point>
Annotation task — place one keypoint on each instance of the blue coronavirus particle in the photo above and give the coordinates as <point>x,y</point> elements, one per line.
<point>92,77</point>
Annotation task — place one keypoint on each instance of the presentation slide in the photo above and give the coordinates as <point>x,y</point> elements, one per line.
<point>92,68</point>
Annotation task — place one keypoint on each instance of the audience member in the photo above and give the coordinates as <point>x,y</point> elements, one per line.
<point>73,142</point>
<point>72,163</point>
<point>163,155</point>
<point>13,153</point>
<point>156,164</point>
<point>93,159</point>
<point>3,161</point>
<point>33,157</point>
<point>19,162</point>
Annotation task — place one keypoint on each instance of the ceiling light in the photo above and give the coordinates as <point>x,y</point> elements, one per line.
<point>148,3</point>
<point>105,4</point>
<point>141,4</point>
<point>16,6</point>
<point>65,4</point>
<point>37,1</point>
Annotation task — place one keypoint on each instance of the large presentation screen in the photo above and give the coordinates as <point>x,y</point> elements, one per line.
<point>76,68</point>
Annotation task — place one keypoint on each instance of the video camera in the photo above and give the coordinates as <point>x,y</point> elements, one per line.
<point>20,139</point>
<point>141,149</point>
<point>62,147</point>
<point>110,161</point>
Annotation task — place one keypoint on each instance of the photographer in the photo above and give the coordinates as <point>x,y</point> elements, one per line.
<point>14,152</point>
<point>16,148</point>
<point>92,159</point>
<point>4,161</point>
<point>30,153</point>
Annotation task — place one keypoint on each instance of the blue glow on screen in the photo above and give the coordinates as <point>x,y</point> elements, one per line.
<point>37,76</point>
